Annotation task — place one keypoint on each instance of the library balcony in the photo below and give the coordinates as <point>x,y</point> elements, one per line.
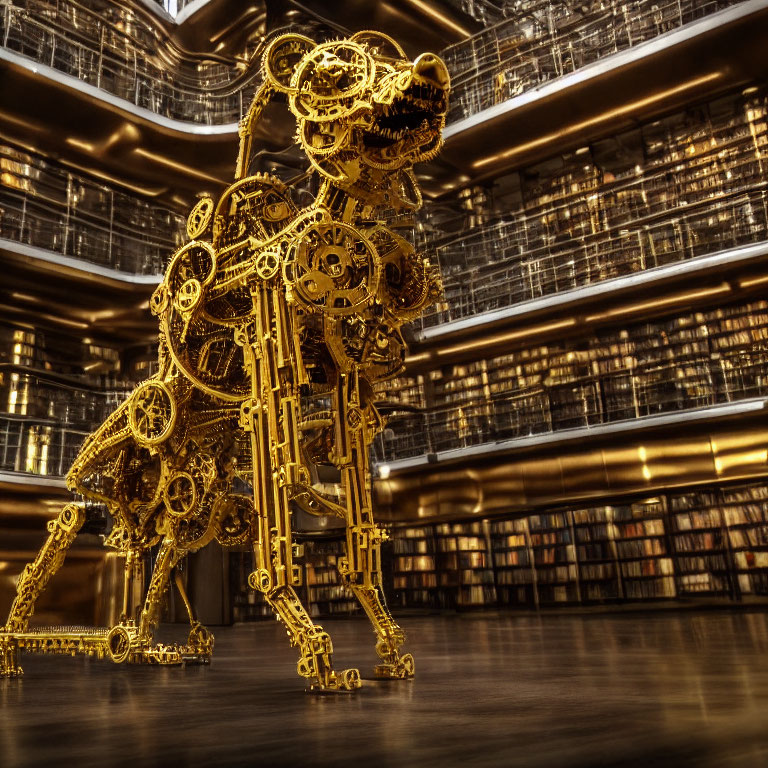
<point>679,189</point>
<point>697,359</point>
<point>50,207</point>
<point>600,71</point>
<point>540,41</point>
<point>128,52</point>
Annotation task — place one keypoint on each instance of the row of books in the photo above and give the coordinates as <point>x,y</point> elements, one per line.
<point>661,560</point>
<point>640,369</point>
<point>675,189</point>
<point>514,568</point>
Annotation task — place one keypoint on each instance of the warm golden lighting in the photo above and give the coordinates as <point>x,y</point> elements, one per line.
<point>627,109</point>
<point>175,165</point>
<point>749,282</point>
<point>440,18</point>
<point>500,339</point>
<point>677,298</point>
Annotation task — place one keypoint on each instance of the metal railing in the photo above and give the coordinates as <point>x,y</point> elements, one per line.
<point>47,206</point>
<point>701,189</point>
<point>43,423</point>
<point>690,361</point>
<point>118,51</point>
<point>541,40</point>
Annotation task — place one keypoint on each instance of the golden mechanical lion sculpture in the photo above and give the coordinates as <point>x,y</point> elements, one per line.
<point>275,322</point>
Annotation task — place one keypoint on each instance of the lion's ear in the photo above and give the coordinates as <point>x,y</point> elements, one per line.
<point>281,57</point>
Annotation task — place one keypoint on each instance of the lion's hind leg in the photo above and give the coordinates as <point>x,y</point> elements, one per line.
<point>314,643</point>
<point>33,580</point>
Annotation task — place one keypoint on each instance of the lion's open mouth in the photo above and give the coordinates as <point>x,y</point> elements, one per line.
<point>417,109</point>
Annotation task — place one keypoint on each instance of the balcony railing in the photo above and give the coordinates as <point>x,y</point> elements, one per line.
<point>688,361</point>
<point>43,423</point>
<point>542,40</point>
<point>47,206</point>
<point>118,51</point>
<point>688,186</point>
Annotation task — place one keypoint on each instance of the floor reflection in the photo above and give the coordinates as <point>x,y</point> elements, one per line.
<point>683,689</point>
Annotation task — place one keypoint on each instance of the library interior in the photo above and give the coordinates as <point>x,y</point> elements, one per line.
<point>435,330</point>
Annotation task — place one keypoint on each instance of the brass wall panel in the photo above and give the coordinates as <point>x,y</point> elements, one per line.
<point>522,483</point>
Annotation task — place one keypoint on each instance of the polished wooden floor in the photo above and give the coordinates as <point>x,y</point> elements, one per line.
<point>647,689</point>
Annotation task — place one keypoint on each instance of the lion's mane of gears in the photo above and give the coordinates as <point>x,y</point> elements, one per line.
<point>276,321</point>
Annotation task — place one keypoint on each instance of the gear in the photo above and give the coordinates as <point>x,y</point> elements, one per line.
<point>152,412</point>
<point>329,81</point>
<point>200,218</point>
<point>180,495</point>
<point>194,261</point>
<point>379,44</point>
<point>281,57</point>
<point>121,641</point>
<point>334,268</point>
<point>189,295</point>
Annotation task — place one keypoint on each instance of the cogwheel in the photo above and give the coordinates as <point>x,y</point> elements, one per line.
<point>180,495</point>
<point>335,268</point>
<point>200,218</point>
<point>195,260</point>
<point>331,81</point>
<point>282,56</point>
<point>152,412</point>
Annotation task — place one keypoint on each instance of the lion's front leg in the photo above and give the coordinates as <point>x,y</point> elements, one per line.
<point>314,643</point>
<point>270,418</point>
<point>33,581</point>
<point>361,568</point>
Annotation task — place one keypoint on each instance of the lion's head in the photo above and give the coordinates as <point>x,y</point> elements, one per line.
<point>365,113</point>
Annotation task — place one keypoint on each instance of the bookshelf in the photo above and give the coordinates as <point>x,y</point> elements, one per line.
<point>47,205</point>
<point>597,555</point>
<point>464,565</point>
<point>682,361</point>
<point>325,594</point>
<point>414,571</point>
<point>646,568</point>
<point>539,40</point>
<point>700,543</point>
<point>513,563</point>
<point>688,185</point>
<point>554,558</point>
<point>745,514</point>
<point>708,543</point>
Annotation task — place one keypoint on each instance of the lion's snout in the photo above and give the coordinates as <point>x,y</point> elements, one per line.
<point>432,69</point>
